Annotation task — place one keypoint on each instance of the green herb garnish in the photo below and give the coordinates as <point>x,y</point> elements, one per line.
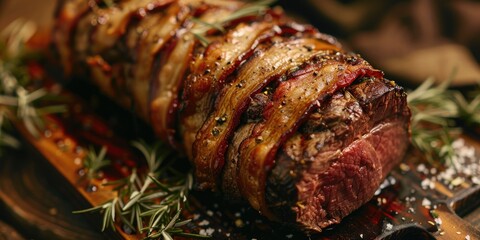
<point>469,110</point>
<point>253,8</point>
<point>93,162</point>
<point>436,110</point>
<point>149,203</point>
<point>17,102</point>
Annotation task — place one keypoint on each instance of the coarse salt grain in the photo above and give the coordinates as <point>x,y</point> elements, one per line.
<point>426,203</point>
<point>457,181</point>
<point>384,184</point>
<point>425,183</point>
<point>392,180</point>
<point>458,143</point>
<point>204,223</point>
<point>410,199</point>
<point>476,180</point>
<point>404,167</point>
<point>210,231</point>
<point>389,227</point>
<point>421,167</point>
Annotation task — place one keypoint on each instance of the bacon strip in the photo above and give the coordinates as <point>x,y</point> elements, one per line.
<point>292,101</point>
<point>209,71</point>
<point>211,141</point>
<point>155,31</point>
<point>68,17</point>
<point>167,82</point>
<point>112,22</point>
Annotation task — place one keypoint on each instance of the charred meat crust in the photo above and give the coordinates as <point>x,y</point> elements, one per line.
<point>345,117</point>
<point>262,106</point>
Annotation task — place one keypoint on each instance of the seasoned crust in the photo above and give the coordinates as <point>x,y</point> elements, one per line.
<point>347,116</point>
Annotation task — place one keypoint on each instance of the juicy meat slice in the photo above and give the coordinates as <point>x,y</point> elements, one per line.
<point>328,195</point>
<point>340,155</point>
<point>291,102</point>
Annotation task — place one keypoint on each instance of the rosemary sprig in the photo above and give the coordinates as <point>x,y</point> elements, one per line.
<point>109,3</point>
<point>93,162</point>
<point>17,103</point>
<point>5,138</point>
<point>436,110</point>
<point>149,203</point>
<point>433,113</point>
<point>253,8</point>
<point>469,111</point>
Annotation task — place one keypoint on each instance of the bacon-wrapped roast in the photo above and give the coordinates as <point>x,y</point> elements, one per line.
<point>266,109</point>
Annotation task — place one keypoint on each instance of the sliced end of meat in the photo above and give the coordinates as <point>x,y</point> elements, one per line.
<point>340,155</point>
<point>327,196</point>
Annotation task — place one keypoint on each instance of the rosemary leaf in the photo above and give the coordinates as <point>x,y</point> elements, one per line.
<point>160,185</point>
<point>8,101</point>
<point>109,3</point>
<point>436,110</point>
<point>203,40</point>
<point>182,223</point>
<point>16,102</point>
<point>8,140</point>
<point>93,162</point>
<point>254,8</point>
<point>148,202</point>
<point>89,209</point>
<point>5,138</point>
<point>468,111</point>
<point>216,26</point>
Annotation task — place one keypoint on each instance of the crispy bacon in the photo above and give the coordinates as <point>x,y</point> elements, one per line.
<point>211,142</point>
<point>292,101</point>
<point>209,71</point>
<point>231,92</point>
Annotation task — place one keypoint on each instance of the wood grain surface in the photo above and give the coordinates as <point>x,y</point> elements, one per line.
<point>38,202</point>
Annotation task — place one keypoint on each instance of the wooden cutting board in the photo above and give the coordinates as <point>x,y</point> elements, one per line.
<point>400,210</point>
